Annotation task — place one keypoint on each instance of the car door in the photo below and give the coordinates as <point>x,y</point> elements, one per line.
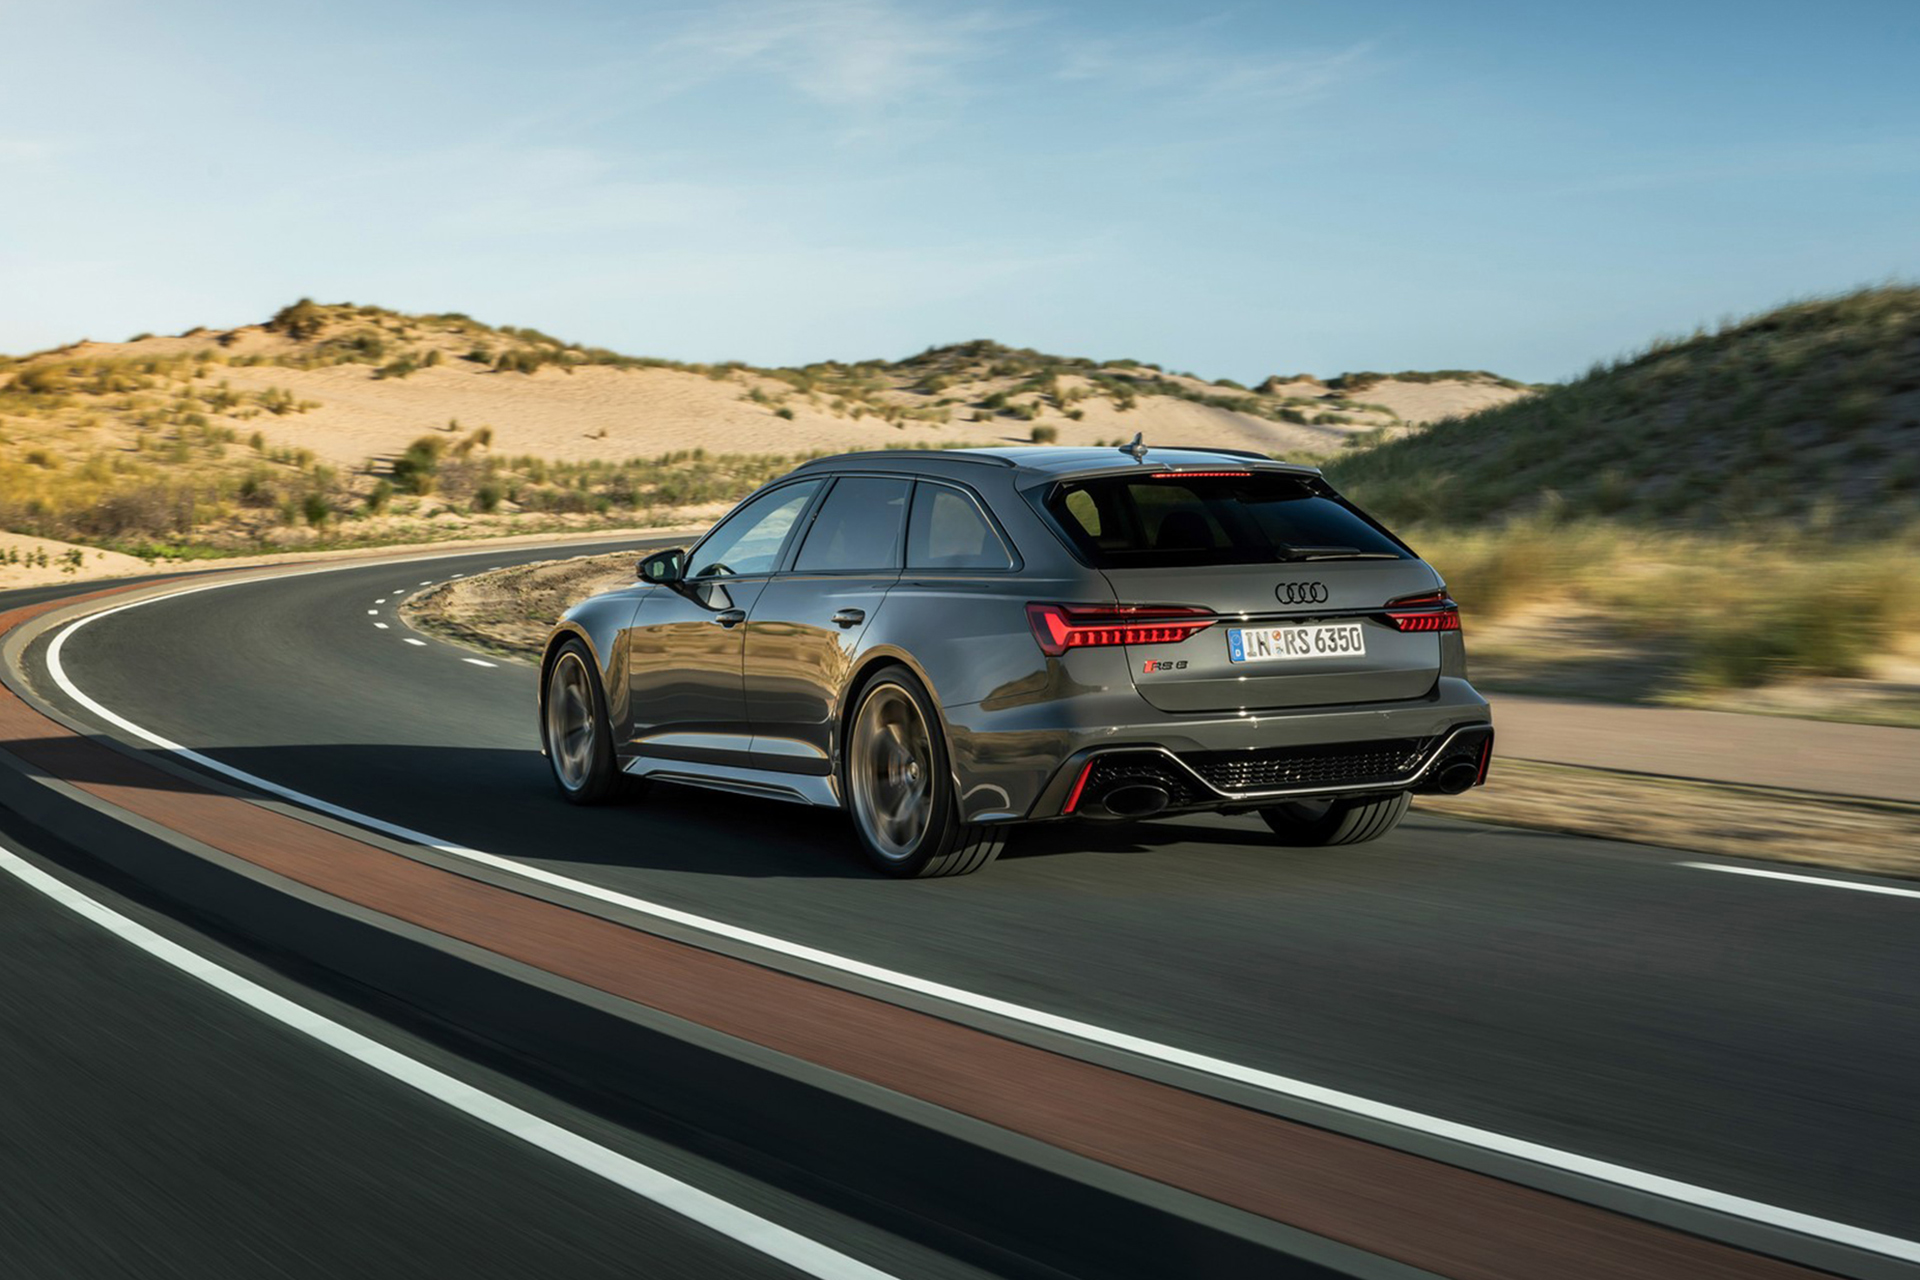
<point>804,630</point>
<point>685,647</point>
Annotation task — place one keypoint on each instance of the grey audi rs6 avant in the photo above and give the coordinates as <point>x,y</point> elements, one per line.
<point>948,644</point>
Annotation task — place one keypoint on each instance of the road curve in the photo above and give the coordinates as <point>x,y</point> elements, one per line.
<point>1754,1037</point>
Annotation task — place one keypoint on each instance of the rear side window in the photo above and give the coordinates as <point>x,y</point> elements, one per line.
<point>1165,519</point>
<point>858,527</point>
<point>948,531</point>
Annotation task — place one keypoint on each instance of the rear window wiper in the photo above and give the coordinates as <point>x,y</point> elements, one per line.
<point>1331,553</point>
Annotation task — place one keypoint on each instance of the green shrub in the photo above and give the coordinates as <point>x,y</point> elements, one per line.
<point>1044,435</point>
<point>316,509</point>
<point>381,496</point>
<point>299,321</point>
<point>414,470</point>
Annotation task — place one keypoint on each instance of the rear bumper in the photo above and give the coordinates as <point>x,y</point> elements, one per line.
<point>1021,763</point>
<point>1448,764</point>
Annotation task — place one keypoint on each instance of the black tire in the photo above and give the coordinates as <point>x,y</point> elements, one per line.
<point>1317,823</point>
<point>897,783</point>
<point>575,730</point>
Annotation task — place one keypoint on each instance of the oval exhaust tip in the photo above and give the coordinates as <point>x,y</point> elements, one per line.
<point>1136,800</point>
<point>1458,776</point>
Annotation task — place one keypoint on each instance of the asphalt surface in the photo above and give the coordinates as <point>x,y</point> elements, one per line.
<point>1757,1037</point>
<point>152,1127</point>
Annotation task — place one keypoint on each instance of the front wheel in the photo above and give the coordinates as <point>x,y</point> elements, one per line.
<point>574,723</point>
<point>1328,822</point>
<point>899,785</point>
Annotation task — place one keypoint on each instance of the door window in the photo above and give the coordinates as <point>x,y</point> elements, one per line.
<point>949,532</point>
<point>749,540</point>
<point>858,528</point>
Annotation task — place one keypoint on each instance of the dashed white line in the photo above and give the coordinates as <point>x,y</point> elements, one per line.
<point>381,625</point>
<point>1822,881</point>
<point>427,583</point>
<point>478,663</point>
<point>710,1211</point>
<point>1271,1082</point>
<point>451,577</point>
<point>411,640</point>
<point>373,611</point>
<point>381,600</point>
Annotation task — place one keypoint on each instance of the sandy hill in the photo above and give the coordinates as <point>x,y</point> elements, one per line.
<point>309,426</point>
<point>1807,416</point>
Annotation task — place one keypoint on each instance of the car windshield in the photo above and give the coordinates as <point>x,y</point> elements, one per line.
<point>1169,519</point>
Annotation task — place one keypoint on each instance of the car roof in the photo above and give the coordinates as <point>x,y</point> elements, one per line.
<point>1051,461</point>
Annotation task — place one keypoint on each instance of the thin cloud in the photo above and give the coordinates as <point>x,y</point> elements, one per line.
<point>843,53</point>
<point>1201,74</point>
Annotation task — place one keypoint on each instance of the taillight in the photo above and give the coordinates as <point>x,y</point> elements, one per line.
<point>1434,611</point>
<point>1188,475</point>
<point>1060,627</point>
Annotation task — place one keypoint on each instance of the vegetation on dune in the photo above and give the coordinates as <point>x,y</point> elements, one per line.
<point>1805,416</point>
<point>1731,509</point>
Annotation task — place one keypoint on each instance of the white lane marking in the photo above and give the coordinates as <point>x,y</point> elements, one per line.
<point>381,600</point>
<point>730,1220</point>
<point>373,613</point>
<point>1823,881</point>
<point>1284,1086</point>
<point>452,576</point>
<point>478,663</point>
<point>411,640</point>
<point>427,583</point>
<point>381,625</point>
<point>495,569</point>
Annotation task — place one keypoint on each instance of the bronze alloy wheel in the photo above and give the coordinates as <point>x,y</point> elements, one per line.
<point>890,771</point>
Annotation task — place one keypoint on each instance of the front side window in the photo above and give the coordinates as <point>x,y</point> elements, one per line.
<point>858,528</point>
<point>948,531</point>
<point>749,540</point>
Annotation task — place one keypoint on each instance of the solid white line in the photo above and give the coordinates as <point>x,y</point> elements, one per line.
<point>1285,1086</point>
<point>1823,881</point>
<point>411,640</point>
<point>478,663</point>
<point>670,1193</point>
<point>381,625</point>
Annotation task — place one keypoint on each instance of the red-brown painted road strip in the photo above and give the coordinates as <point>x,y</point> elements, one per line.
<point>1418,1211</point>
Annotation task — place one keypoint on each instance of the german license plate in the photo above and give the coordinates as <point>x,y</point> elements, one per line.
<point>1293,644</point>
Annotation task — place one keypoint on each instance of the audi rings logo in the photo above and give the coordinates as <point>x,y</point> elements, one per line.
<point>1301,592</point>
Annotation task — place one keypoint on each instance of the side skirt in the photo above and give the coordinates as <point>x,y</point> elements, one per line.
<point>738,779</point>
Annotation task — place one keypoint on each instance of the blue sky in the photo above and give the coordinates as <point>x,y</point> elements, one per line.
<point>1237,190</point>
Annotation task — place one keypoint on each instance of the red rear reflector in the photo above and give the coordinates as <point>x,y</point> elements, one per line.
<point>1073,797</point>
<point>1486,758</point>
<point>1434,611</point>
<point>1060,627</point>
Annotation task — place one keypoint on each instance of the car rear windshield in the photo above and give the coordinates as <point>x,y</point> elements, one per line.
<point>1169,519</point>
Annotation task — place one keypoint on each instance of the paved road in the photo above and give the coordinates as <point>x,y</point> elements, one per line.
<point>1874,761</point>
<point>152,1127</point>
<point>1754,1036</point>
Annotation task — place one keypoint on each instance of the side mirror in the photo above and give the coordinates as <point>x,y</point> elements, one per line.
<point>664,567</point>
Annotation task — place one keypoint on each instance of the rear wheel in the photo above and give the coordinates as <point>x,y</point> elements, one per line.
<point>1328,822</point>
<point>574,720</point>
<point>899,787</point>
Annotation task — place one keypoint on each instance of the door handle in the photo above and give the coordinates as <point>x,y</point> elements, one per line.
<point>730,617</point>
<point>850,617</point>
